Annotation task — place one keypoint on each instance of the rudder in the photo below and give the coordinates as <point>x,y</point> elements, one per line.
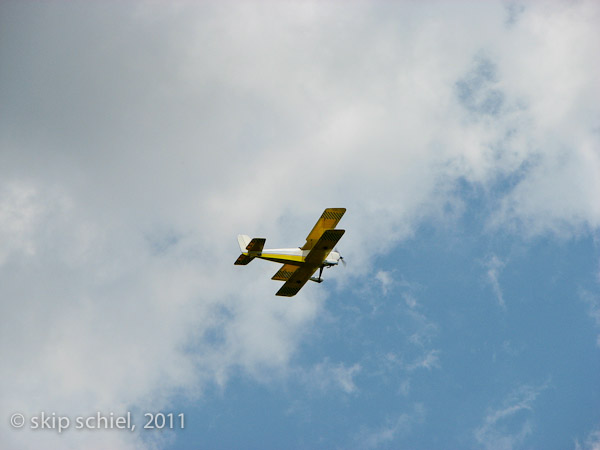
<point>243,241</point>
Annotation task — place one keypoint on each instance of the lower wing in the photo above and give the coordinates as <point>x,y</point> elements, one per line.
<point>297,280</point>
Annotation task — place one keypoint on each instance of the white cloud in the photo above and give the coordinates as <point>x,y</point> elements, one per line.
<point>561,122</point>
<point>96,319</point>
<point>425,330</point>
<point>494,265</point>
<point>410,300</point>
<point>593,303</point>
<point>326,376</point>
<point>428,361</point>
<point>18,214</point>
<point>138,139</point>
<point>592,442</point>
<point>385,278</point>
<point>392,429</point>
<point>508,426</point>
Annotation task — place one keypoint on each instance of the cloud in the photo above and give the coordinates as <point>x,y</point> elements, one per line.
<point>18,213</point>
<point>96,319</point>
<point>392,429</point>
<point>138,139</point>
<point>494,266</point>
<point>592,441</point>
<point>513,11</point>
<point>557,195</point>
<point>385,278</point>
<point>326,376</point>
<point>429,361</point>
<point>476,91</point>
<point>509,425</point>
<point>593,303</point>
<point>410,300</point>
<point>560,123</point>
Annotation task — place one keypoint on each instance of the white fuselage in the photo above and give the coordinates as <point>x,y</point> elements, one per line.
<point>295,256</point>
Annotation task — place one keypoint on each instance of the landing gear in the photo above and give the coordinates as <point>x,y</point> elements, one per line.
<point>318,280</point>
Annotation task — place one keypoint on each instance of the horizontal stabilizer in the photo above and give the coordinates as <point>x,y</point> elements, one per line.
<point>243,260</point>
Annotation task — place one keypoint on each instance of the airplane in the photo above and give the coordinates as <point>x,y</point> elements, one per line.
<point>299,264</point>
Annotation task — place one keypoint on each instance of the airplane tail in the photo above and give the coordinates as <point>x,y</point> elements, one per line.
<point>244,241</point>
<point>248,246</point>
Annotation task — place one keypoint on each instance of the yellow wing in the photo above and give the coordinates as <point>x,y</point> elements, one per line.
<point>328,220</point>
<point>312,262</point>
<point>285,272</point>
<point>297,280</point>
<point>323,247</point>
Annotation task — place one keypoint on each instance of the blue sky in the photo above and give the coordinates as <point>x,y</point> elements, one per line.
<point>435,359</point>
<point>137,139</point>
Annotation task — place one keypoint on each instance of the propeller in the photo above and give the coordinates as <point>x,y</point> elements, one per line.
<point>341,257</point>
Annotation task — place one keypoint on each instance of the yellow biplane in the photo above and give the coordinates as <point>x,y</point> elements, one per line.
<point>299,264</point>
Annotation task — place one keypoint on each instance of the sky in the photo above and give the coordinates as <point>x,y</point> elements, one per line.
<point>137,139</point>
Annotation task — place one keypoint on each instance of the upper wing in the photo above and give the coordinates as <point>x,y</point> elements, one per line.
<point>328,220</point>
<point>312,262</point>
<point>323,246</point>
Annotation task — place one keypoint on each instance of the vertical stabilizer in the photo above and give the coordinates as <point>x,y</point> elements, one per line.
<point>243,240</point>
